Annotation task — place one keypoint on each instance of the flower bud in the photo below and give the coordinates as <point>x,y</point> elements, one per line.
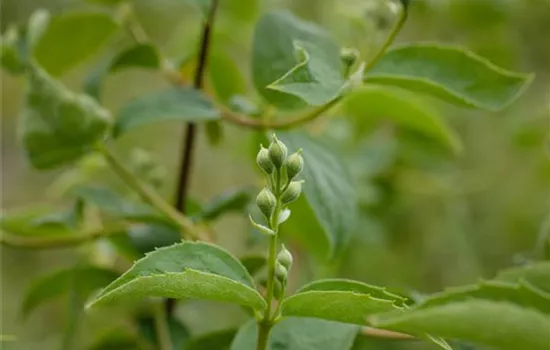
<point>277,152</point>
<point>294,164</point>
<point>292,192</point>
<point>349,56</point>
<point>285,258</point>
<point>266,201</point>
<point>280,272</point>
<point>264,162</point>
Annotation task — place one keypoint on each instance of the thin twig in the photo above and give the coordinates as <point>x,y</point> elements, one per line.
<point>382,333</point>
<point>281,124</point>
<point>161,327</point>
<point>17,241</point>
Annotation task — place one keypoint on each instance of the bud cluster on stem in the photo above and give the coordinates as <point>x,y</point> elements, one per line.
<point>282,189</point>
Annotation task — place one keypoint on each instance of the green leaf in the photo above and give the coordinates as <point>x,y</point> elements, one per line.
<point>142,239</point>
<point>12,45</point>
<point>186,270</point>
<point>225,76</point>
<point>536,274</point>
<point>329,191</point>
<point>274,55</point>
<point>58,126</point>
<point>115,339</point>
<point>499,324</point>
<point>235,200</point>
<point>37,221</point>
<point>313,79</point>
<point>521,294</point>
<point>253,263</point>
<point>372,104</point>
<point>339,300</point>
<point>299,334</point>
<point>138,56</point>
<point>85,278</point>
<point>179,334</point>
<point>70,38</point>
<point>450,73</point>
<point>115,205</point>
<point>173,104</point>
<point>220,340</point>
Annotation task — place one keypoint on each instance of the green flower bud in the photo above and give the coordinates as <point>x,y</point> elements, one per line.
<point>266,201</point>
<point>284,258</point>
<point>349,56</point>
<point>294,164</point>
<point>280,272</point>
<point>292,192</point>
<point>277,152</point>
<point>264,162</point>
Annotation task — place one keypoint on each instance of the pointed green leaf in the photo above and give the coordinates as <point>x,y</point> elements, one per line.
<point>173,104</point>
<point>235,200</point>
<point>36,221</point>
<point>339,300</point>
<point>502,325</point>
<point>138,56</point>
<point>536,274</point>
<point>329,191</point>
<point>70,38</point>
<point>220,340</point>
<point>373,104</point>
<point>299,334</point>
<point>453,74</point>
<point>186,270</point>
<point>58,126</point>
<point>115,205</point>
<point>313,79</point>
<point>274,55</point>
<point>85,278</point>
<point>521,294</point>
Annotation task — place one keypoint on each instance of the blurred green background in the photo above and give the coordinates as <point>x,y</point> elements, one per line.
<point>430,219</point>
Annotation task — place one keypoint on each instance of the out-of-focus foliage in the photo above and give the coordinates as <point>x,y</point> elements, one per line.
<point>446,195</point>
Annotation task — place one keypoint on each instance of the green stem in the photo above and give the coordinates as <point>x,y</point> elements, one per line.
<point>161,328</point>
<point>263,336</point>
<point>17,241</point>
<point>389,40</point>
<point>188,228</point>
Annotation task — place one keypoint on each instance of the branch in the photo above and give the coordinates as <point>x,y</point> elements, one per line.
<point>382,333</point>
<point>191,129</point>
<point>17,241</point>
<point>389,40</point>
<point>189,230</point>
<point>282,124</point>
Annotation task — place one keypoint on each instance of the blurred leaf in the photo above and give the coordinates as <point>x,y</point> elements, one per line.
<point>220,340</point>
<point>299,334</point>
<point>85,279</point>
<point>179,334</point>
<point>142,239</point>
<point>312,79</point>
<point>453,74</point>
<point>372,104</point>
<point>107,2</point>
<point>225,76</point>
<point>173,104</point>
<point>339,300</point>
<point>58,126</point>
<point>117,339</point>
<point>537,274</point>
<point>499,324</point>
<point>36,27</point>
<point>522,294</point>
<point>186,270</point>
<point>329,190</point>
<point>274,55</point>
<point>70,38</point>
<point>39,221</point>
<point>117,206</point>
<point>214,132</point>
<point>138,56</point>
<point>253,263</point>
<point>11,55</point>
<point>235,200</point>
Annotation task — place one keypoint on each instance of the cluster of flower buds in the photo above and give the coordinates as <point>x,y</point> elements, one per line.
<point>283,188</point>
<point>283,265</point>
